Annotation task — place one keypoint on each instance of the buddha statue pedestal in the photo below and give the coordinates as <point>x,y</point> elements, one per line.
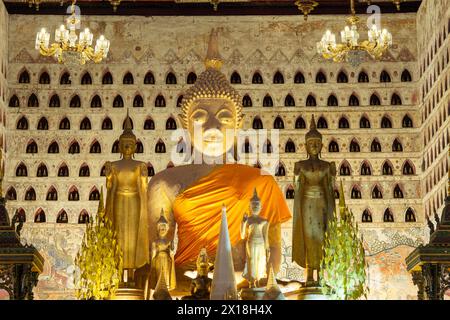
<point>311,293</point>
<point>252,293</point>
<point>128,292</point>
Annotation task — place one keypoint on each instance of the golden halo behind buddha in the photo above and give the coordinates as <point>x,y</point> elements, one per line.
<point>211,84</point>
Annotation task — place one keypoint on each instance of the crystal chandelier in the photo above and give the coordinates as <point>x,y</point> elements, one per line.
<point>66,42</point>
<point>378,41</point>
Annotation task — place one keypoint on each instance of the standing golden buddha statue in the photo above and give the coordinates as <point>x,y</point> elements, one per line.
<point>193,194</point>
<point>162,256</point>
<point>126,203</point>
<point>314,205</point>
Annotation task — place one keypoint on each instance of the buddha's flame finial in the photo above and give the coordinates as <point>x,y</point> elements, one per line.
<point>312,125</point>
<point>255,197</point>
<point>128,126</point>
<point>128,129</point>
<point>213,59</point>
<point>162,217</point>
<point>313,133</point>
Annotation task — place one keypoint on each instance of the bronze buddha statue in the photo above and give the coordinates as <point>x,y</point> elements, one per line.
<point>314,205</point>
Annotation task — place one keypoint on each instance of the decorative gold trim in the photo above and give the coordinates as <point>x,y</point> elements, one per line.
<point>306,6</point>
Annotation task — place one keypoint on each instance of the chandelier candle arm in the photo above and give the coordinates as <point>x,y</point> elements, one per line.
<point>376,45</point>
<point>67,40</point>
<point>42,39</point>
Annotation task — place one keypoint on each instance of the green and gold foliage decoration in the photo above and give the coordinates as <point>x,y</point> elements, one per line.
<point>100,260</point>
<point>343,266</point>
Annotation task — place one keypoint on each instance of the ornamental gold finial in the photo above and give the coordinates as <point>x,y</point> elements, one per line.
<point>127,129</point>
<point>313,133</point>
<point>312,124</point>
<point>213,59</point>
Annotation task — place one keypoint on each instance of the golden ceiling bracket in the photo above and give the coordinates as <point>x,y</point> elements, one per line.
<point>215,4</point>
<point>115,4</point>
<point>35,3</point>
<point>397,4</point>
<point>306,6</point>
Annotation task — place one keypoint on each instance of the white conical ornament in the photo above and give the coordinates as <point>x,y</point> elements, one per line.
<point>273,291</point>
<point>223,285</point>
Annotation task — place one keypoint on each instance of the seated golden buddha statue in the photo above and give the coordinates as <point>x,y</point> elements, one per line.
<point>126,203</point>
<point>193,194</point>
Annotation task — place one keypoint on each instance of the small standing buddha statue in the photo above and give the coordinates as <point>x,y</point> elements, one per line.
<point>126,204</point>
<point>257,245</point>
<point>163,256</point>
<point>201,285</point>
<point>314,205</point>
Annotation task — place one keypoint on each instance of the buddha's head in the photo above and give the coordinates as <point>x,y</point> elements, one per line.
<point>127,140</point>
<point>211,107</point>
<point>313,140</point>
<point>162,225</point>
<point>255,203</point>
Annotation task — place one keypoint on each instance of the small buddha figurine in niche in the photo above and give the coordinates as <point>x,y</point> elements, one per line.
<point>126,203</point>
<point>314,205</point>
<point>162,256</point>
<point>257,245</point>
<point>201,285</point>
<point>193,194</point>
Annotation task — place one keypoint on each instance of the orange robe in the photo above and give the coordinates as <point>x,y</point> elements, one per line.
<point>197,210</point>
